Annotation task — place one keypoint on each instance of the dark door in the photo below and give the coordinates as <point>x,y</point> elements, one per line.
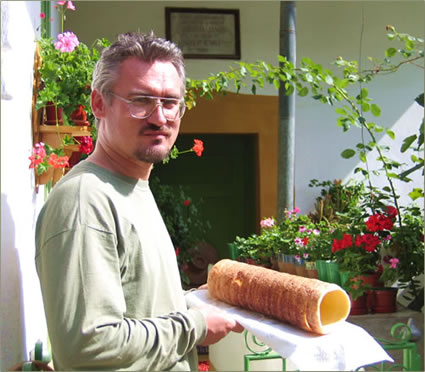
<point>223,180</point>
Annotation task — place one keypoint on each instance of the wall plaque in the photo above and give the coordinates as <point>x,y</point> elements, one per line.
<point>204,33</point>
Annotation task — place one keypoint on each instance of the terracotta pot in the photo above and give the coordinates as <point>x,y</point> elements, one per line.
<point>289,264</point>
<point>311,269</point>
<point>79,117</point>
<point>275,263</point>
<point>383,300</point>
<point>53,114</point>
<point>359,305</point>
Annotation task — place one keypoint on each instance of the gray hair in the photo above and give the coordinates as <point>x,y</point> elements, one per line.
<point>147,47</point>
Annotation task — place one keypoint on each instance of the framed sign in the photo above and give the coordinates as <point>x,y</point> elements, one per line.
<point>204,33</point>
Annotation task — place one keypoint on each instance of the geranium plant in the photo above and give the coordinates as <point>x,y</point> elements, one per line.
<point>66,69</point>
<point>44,157</point>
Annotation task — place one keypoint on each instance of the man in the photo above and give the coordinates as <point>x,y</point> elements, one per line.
<point>107,267</point>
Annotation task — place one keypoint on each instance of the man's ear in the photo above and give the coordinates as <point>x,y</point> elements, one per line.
<point>97,104</point>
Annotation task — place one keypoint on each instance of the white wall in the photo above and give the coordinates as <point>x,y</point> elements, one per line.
<point>21,310</point>
<point>325,30</point>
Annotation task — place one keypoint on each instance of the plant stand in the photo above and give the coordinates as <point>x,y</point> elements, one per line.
<point>53,135</point>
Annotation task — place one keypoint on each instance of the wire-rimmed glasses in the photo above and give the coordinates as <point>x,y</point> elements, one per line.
<point>141,107</point>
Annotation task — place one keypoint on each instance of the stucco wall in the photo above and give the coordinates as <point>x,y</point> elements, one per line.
<point>325,30</point>
<point>22,320</point>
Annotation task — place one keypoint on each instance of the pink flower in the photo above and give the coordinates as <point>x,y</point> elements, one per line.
<point>302,229</point>
<point>394,262</point>
<point>267,222</point>
<point>316,232</point>
<point>67,42</point>
<point>42,15</point>
<point>38,155</point>
<point>296,210</point>
<point>69,4</point>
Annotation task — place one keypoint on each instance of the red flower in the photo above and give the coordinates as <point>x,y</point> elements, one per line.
<point>86,144</point>
<point>345,242</point>
<point>204,366</point>
<point>42,15</point>
<point>367,242</point>
<point>305,241</point>
<point>177,251</point>
<point>187,202</point>
<point>58,161</point>
<point>379,222</point>
<point>391,211</point>
<point>198,147</point>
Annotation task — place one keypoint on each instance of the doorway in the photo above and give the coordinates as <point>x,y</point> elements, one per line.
<point>223,182</point>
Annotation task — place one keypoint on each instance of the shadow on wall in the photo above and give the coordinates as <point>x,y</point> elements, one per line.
<point>12,322</point>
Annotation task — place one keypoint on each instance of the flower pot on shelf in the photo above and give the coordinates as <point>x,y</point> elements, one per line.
<point>311,269</point>
<point>281,262</point>
<point>300,269</point>
<point>233,251</point>
<point>274,263</point>
<point>79,117</point>
<point>384,300</point>
<point>359,305</point>
<point>53,114</point>
<point>289,264</point>
<point>321,270</point>
<point>52,174</point>
<point>333,275</point>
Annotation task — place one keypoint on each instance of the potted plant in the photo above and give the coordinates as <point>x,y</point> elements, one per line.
<point>66,71</point>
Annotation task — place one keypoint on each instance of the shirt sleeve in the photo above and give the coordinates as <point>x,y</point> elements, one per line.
<point>79,271</point>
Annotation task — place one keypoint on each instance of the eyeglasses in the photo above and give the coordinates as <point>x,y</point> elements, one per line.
<point>141,107</point>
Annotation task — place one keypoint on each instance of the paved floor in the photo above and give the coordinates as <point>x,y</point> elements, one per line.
<point>379,325</point>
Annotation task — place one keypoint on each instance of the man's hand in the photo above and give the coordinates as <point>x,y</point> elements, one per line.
<point>219,324</point>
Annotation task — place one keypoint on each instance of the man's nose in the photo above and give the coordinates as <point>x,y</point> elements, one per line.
<point>157,116</point>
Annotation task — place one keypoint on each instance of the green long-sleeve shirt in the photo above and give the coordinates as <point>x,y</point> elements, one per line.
<point>109,277</point>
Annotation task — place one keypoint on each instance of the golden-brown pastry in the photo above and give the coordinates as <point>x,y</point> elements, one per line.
<point>307,303</point>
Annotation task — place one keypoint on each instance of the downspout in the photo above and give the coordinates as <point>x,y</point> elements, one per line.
<point>286,127</point>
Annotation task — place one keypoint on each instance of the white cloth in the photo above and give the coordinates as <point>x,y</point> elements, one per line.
<point>346,348</point>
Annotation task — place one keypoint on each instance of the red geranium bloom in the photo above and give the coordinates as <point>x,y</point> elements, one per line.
<point>187,202</point>
<point>391,211</point>
<point>198,147</point>
<point>367,242</point>
<point>379,222</point>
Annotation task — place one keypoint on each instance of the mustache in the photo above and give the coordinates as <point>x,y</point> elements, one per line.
<point>152,128</point>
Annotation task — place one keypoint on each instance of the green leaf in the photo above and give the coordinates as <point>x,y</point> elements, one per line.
<point>303,92</point>
<point>341,111</point>
<point>365,107</point>
<point>390,52</point>
<point>407,142</point>
<point>375,109</point>
<point>391,134</point>
<point>416,193</point>
<point>348,153</point>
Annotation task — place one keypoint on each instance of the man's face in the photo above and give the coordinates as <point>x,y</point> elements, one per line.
<point>132,139</point>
